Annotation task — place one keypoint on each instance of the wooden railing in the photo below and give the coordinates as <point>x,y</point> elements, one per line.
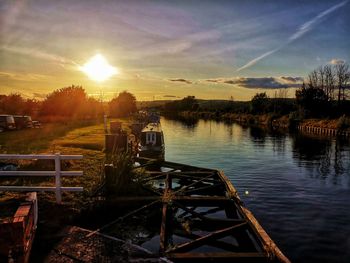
<point>57,173</point>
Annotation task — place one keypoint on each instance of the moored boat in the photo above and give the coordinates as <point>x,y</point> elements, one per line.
<point>152,141</point>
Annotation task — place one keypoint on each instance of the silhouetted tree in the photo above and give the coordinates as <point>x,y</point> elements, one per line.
<point>343,78</point>
<point>312,100</point>
<point>72,103</point>
<point>12,104</point>
<point>186,104</point>
<point>259,103</point>
<point>123,105</point>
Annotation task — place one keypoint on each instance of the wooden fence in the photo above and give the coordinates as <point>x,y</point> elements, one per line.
<point>57,173</point>
<point>323,131</point>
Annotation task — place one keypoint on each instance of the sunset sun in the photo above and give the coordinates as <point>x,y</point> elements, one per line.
<point>98,68</point>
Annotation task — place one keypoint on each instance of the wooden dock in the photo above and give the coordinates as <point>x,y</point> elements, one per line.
<point>191,214</point>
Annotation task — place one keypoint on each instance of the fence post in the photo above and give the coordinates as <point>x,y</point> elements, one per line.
<point>58,178</point>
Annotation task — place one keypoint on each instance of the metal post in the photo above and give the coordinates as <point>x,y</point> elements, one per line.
<point>58,178</point>
<point>105,123</point>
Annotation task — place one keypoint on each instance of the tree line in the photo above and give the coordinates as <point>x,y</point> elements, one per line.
<point>324,93</point>
<point>68,103</point>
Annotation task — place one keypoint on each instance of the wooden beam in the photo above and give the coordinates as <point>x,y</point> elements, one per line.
<point>123,217</point>
<point>163,229</point>
<point>220,256</point>
<point>207,201</point>
<point>180,173</point>
<point>192,184</point>
<point>205,189</point>
<point>215,243</point>
<point>203,240</point>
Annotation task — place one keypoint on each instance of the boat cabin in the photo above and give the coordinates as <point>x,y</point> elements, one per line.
<point>151,140</point>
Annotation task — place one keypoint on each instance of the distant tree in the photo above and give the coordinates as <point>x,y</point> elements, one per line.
<point>260,103</point>
<point>188,103</point>
<point>66,102</point>
<point>123,105</point>
<point>342,74</point>
<point>312,100</point>
<point>12,104</point>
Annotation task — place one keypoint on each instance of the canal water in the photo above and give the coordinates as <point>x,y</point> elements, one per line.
<point>297,186</point>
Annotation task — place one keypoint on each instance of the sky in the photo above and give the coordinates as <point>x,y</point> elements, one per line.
<point>170,49</point>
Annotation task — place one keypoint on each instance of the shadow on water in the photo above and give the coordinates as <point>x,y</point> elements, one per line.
<point>330,156</point>
<point>187,122</point>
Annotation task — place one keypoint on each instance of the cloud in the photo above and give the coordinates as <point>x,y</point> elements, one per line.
<point>39,95</point>
<point>23,76</point>
<point>262,83</point>
<point>336,61</point>
<point>306,27</point>
<point>293,79</point>
<point>181,80</point>
<point>62,61</point>
<point>170,96</point>
<point>302,30</point>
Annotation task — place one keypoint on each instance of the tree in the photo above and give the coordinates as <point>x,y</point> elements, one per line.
<point>343,78</point>
<point>66,102</point>
<point>312,100</point>
<point>123,105</point>
<point>12,104</point>
<point>259,103</point>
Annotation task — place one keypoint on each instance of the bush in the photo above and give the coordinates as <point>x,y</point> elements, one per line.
<point>343,122</point>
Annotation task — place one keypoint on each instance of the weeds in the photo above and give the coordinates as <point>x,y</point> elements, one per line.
<point>343,122</point>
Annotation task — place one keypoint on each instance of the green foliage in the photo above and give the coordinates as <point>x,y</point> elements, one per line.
<point>121,177</point>
<point>71,102</point>
<point>17,105</point>
<point>123,105</point>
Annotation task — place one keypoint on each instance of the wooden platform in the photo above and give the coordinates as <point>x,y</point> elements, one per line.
<point>193,215</point>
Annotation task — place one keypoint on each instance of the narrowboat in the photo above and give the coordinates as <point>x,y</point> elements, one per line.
<point>151,143</point>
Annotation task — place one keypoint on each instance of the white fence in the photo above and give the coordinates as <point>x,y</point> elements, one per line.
<point>57,174</point>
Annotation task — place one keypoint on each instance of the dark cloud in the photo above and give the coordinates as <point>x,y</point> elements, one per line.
<point>262,83</point>
<point>170,96</point>
<point>182,80</point>
<point>293,79</point>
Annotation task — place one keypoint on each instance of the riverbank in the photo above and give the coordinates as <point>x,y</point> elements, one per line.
<point>267,120</point>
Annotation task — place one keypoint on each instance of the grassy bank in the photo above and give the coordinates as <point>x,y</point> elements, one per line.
<point>81,138</point>
<point>37,140</point>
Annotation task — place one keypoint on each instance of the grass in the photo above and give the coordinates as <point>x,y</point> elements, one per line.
<point>36,140</point>
<point>81,138</point>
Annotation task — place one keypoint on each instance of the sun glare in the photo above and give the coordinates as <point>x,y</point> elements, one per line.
<point>98,69</point>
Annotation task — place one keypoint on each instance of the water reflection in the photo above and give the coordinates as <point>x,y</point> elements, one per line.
<point>329,156</point>
<point>298,185</point>
<point>187,122</point>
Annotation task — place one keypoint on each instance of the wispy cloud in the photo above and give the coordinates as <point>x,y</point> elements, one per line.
<point>62,61</point>
<point>40,96</point>
<point>337,61</point>
<point>282,82</point>
<point>182,80</point>
<point>170,96</point>
<point>302,30</point>
<point>23,76</point>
